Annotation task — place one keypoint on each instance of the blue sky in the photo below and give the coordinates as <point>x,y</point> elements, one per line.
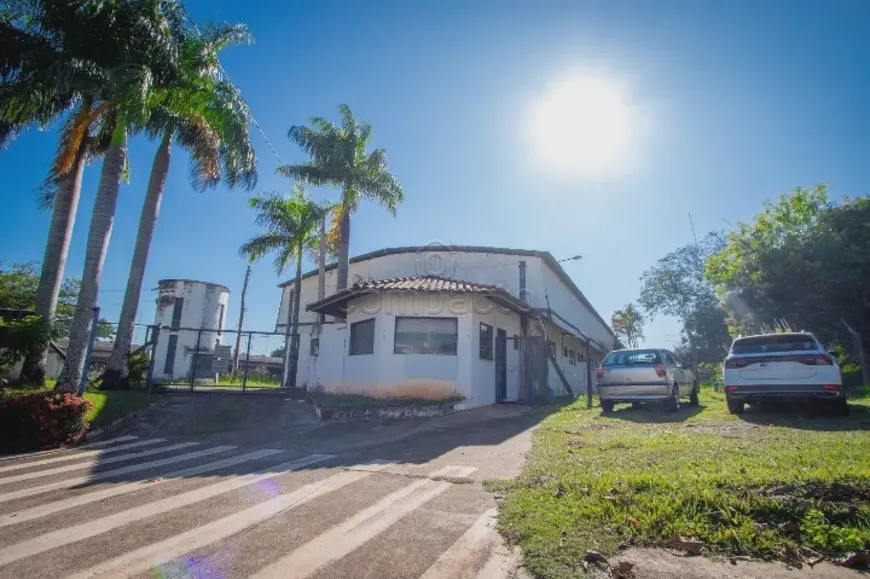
<point>735,102</point>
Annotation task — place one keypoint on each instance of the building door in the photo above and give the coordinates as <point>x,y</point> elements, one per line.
<point>500,365</point>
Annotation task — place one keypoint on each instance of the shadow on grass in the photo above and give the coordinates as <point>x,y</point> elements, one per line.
<point>807,415</point>
<point>653,413</point>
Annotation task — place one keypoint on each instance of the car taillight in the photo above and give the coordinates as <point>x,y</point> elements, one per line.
<point>831,387</point>
<point>661,371</point>
<point>600,372</point>
<point>736,362</point>
<point>823,360</point>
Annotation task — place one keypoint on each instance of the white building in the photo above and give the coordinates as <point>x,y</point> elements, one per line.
<point>183,308</point>
<point>439,320</point>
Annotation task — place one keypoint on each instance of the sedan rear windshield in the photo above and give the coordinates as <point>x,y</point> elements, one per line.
<point>632,358</point>
<point>774,343</point>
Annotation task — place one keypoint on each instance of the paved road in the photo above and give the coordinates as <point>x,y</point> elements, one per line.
<point>134,506</point>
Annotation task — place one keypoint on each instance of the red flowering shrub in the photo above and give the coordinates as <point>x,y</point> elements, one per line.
<point>41,420</point>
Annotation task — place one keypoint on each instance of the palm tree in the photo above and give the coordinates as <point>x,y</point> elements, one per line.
<point>43,77</point>
<point>339,159</point>
<point>291,225</point>
<point>147,36</point>
<point>205,115</point>
<point>627,323</point>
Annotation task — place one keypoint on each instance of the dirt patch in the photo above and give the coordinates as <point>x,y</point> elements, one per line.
<point>836,492</point>
<point>728,429</point>
<point>663,564</point>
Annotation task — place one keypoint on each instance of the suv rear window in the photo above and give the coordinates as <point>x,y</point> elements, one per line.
<point>774,343</point>
<point>632,357</point>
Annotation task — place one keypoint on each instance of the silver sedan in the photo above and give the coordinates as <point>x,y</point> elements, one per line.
<point>645,375</point>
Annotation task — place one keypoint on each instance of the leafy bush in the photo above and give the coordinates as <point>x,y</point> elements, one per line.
<point>137,367</point>
<point>821,534</point>
<point>19,336</point>
<point>41,420</point>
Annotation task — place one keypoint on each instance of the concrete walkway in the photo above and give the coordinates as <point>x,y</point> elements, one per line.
<point>290,499</point>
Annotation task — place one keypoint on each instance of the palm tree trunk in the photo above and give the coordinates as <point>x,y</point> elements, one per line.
<point>294,322</point>
<point>344,249</point>
<point>63,217</point>
<point>98,242</point>
<point>116,375</point>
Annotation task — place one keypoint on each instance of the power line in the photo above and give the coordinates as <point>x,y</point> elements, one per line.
<point>236,90</point>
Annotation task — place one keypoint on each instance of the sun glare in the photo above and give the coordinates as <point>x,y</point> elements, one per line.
<point>581,126</point>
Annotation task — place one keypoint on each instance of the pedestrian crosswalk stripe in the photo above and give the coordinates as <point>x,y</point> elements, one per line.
<point>98,444</point>
<point>93,462</point>
<point>67,535</point>
<point>354,532</point>
<point>502,563</point>
<point>68,456</point>
<point>372,466</point>
<point>82,480</point>
<point>155,556</point>
<point>446,471</point>
<point>120,489</point>
<point>107,442</point>
<point>457,561</point>
<point>463,471</point>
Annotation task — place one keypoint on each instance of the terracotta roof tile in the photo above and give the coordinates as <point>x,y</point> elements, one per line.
<point>334,305</point>
<point>428,283</point>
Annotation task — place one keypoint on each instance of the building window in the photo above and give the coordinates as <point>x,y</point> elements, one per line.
<point>176,312</point>
<point>169,365</point>
<point>516,342</point>
<point>314,348</point>
<point>221,318</point>
<point>572,357</point>
<point>485,341</point>
<point>426,336</point>
<point>565,351</point>
<point>552,347</point>
<point>362,337</point>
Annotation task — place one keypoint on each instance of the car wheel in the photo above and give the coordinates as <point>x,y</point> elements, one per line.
<point>693,397</point>
<point>841,407</point>
<point>735,406</point>
<point>607,406</point>
<point>673,403</point>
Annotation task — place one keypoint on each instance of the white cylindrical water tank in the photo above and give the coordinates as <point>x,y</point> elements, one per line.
<point>188,312</point>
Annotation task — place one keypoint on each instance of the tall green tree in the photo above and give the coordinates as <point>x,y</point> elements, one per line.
<point>803,259</point>
<point>627,324</point>
<point>338,158</point>
<point>675,286</point>
<point>47,73</point>
<point>291,227</point>
<point>203,113</point>
<point>19,287</point>
<point>145,49</point>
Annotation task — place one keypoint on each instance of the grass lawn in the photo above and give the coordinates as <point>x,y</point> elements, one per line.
<point>754,485</point>
<point>114,404</point>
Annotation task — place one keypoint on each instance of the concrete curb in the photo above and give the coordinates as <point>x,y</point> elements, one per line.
<point>386,412</point>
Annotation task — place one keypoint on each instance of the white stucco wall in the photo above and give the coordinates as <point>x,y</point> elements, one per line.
<point>544,288</point>
<point>205,306</point>
<point>384,373</point>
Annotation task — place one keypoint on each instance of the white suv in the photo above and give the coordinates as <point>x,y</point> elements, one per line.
<point>789,365</point>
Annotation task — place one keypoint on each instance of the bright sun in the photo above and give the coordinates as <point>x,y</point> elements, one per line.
<point>581,126</point>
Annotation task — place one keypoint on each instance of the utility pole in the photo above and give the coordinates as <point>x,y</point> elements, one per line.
<point>241,321</point>
<point>692,340</point>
